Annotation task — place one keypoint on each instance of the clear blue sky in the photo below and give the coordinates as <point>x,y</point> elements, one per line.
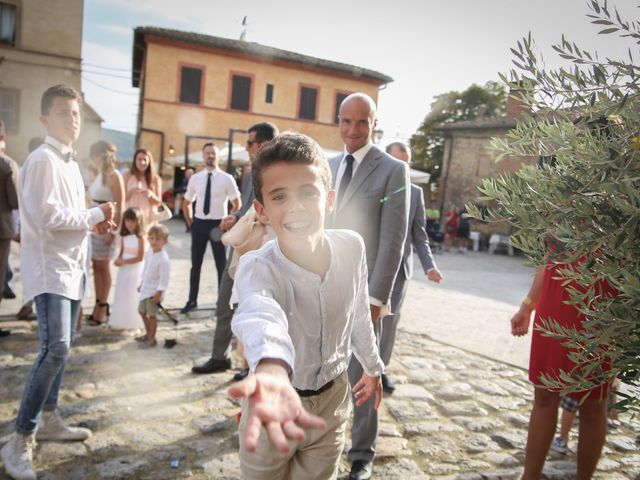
<point>428,46</point>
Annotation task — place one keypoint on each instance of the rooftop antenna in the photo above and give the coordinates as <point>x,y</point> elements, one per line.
<point>243,35</point>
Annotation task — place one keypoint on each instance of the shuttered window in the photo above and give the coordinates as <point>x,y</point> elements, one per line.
<point>241,93</point>
<point>191,85</point>
<point>308,101</point>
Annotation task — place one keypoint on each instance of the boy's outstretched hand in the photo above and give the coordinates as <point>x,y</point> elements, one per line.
<point>366,387</point>
<point>274,403</point>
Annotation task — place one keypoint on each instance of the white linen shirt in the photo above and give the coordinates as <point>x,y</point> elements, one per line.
<point>156,274</point>
<point>54,223</point>
<point>223,189</point>
<point>291,314</point>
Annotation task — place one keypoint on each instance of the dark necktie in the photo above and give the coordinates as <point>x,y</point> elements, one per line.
<point>346,178</point>
<point>207,196</point>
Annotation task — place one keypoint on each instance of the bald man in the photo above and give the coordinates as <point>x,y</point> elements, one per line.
<point>372,199</point>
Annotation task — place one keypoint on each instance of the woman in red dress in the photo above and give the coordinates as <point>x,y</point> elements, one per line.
<point>548,297</point>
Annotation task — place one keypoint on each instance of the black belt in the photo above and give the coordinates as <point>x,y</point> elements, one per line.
<point>312,393</point>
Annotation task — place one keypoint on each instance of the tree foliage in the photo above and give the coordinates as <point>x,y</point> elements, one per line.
<point>427,144</point>
<point>585,193</point>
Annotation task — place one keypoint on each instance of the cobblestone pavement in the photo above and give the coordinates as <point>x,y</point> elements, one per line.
<point>455,413</point>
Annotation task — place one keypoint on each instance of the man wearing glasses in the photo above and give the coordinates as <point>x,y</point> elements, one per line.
<point>259,134</point>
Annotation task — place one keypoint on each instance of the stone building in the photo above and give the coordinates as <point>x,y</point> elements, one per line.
<point>203,86</point>
<point>40,46</point>
<point>468,159</point>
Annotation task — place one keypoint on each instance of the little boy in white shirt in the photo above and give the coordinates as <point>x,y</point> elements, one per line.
<point>303,307</point>
<point>155,281</point>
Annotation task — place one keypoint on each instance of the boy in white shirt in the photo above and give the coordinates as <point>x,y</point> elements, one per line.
<point>303,305</point>
<point>155,281</point>
<point>54,230</point>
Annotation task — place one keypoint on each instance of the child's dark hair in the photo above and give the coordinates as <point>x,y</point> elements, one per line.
<point>132,213</point>
<point>289,147</point>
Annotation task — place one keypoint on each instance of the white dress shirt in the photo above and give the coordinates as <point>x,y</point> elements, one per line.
<point>288,313</point>
<point>156,274</point>
<point>358,156</point>
<point>54,223</point>
<point>223,189</point>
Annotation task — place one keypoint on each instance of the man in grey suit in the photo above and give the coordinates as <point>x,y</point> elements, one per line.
<point>418,240</point>
<point>8,202</point>
<point>259,134</point>
<point>372,199</point>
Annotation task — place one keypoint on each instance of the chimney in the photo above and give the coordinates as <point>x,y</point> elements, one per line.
<point>515,103</point>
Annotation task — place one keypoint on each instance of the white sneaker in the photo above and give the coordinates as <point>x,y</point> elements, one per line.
<point>53,428</point>
<point>17,456</point>
<point>559,446</point>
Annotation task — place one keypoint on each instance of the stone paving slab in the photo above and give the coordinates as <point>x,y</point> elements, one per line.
<point>148,412</point>
<point>455,414</point>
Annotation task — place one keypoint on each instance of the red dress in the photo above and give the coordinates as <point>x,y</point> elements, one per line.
<point>548,355</point>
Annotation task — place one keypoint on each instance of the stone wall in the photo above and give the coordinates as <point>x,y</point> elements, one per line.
<point>468,159</point>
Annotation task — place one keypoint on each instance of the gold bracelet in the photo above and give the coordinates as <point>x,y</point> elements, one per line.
<point>529,303</point>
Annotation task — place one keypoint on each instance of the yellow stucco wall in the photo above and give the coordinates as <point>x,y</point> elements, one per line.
<point>163,111</point>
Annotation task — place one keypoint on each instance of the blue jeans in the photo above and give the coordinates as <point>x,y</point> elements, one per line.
<point>57,316</point>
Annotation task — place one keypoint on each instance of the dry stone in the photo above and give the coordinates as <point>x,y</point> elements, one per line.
<point>465,408</point>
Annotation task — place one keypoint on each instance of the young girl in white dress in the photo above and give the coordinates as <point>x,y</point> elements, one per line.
<point>124,312</point>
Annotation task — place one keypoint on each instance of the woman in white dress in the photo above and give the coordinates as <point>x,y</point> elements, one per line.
<point>124,314</point>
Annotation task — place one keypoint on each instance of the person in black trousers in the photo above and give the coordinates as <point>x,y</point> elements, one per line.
<point>220,361</point>
<point>213,189</point>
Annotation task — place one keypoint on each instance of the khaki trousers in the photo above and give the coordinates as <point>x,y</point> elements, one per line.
<point>317,456</point>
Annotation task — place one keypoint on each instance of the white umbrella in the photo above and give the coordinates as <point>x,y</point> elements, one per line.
<point>418,176</point>
<point>239,154</point>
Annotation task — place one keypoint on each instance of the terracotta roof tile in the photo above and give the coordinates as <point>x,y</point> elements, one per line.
<point>241,46</point>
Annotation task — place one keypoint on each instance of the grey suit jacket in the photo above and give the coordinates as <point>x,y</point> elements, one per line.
<point>246,194</point>
<point>376,205</point>
<point>8,196</point>
<point>417,238</point>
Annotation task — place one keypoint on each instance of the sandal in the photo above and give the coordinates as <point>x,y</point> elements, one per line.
<point>93,321</point>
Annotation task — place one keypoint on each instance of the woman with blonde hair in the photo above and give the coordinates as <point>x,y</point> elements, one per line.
<point>143,185</point>
<point>106,187</point>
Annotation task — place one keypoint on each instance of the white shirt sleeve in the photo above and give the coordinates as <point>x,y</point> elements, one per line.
<point>190,194</point>
<point>259,322</point>
<point>363,338</point>
<point>45,202</point>
<point>165,274</point>
<point>232,189</point>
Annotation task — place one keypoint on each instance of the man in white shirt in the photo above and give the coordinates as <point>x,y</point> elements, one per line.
<point>213,189</point>
<point>259,134</point>
<point>55,224</point>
